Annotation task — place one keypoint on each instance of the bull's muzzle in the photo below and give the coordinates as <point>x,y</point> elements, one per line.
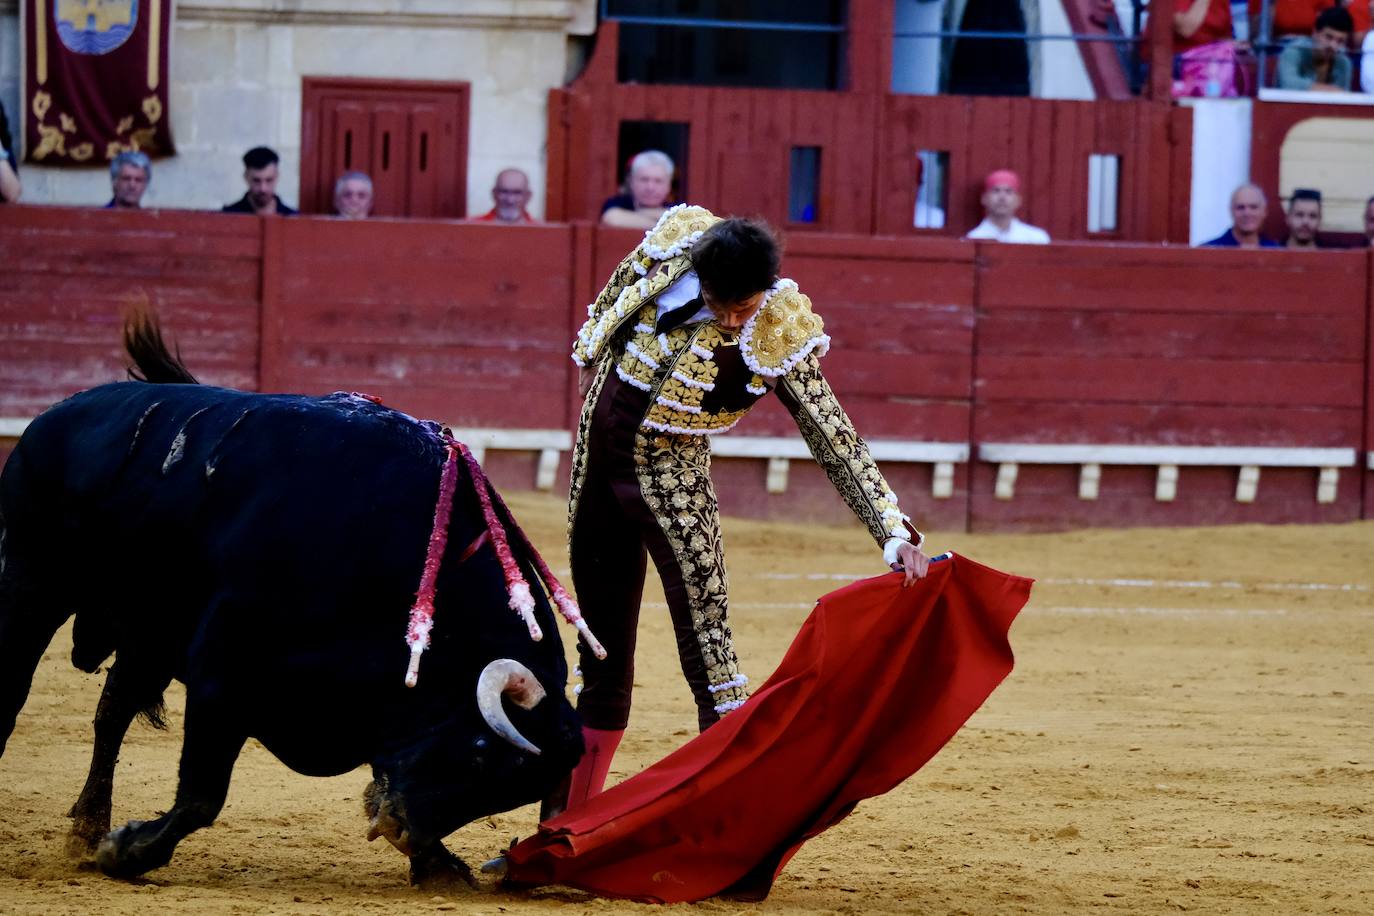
<point>507,677</point>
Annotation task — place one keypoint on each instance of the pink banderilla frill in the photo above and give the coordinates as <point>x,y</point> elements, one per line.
<point>521,599</point>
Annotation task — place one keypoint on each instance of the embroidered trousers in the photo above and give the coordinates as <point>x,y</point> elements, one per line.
<point>638,494</point>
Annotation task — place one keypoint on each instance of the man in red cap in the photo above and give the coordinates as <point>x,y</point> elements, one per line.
<point>1001,200</point>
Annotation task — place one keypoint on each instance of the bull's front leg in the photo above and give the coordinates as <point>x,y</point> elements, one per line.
<point>210,747</point>
<point>121,700</point>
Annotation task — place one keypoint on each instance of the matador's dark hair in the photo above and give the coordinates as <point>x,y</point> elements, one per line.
<point>736,258</point>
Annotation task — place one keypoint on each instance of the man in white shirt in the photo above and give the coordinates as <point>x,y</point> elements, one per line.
<point>1001,200</point>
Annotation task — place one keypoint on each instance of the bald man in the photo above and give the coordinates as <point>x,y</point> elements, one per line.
<point>1248,209</point>
<point>510,194</point>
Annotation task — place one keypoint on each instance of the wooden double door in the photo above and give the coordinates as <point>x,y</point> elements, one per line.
<point>409,136</point>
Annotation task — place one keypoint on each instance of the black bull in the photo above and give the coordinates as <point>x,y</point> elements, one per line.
<point>265,550</point>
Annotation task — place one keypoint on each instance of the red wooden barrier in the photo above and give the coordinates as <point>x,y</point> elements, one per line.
<point>463,323</point>
<point>1187,347</point>
<point>934,341</point>
<point>69,272</point>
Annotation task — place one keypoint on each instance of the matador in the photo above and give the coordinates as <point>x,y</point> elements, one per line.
<point>692,329</point>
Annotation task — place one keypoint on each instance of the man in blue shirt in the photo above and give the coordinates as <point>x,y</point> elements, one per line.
<point>1248,209</point>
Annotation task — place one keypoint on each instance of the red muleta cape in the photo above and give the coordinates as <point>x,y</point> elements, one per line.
<point>876,682</point>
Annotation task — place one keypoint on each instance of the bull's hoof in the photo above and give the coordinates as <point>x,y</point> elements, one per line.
<point>435,868</point>
<point>118,853</point>
<point>84,839</point>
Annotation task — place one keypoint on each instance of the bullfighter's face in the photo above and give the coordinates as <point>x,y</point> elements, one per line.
<point>463,770</point>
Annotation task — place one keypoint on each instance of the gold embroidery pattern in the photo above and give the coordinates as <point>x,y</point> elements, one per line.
<point>675,480</point>
<point>579,454</point>
<point>840,451</point>
<point>662,418</point>
<point>608,313</point>
<point>677,231</point>
<point>53,137</point>
<point>623,275</point>
<point>782,332</point>
<point>670,411</point>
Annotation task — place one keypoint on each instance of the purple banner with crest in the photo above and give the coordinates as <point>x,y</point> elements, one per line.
<point>95,80</point>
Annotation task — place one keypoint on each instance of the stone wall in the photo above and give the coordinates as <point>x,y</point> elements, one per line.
<point>236,69</point>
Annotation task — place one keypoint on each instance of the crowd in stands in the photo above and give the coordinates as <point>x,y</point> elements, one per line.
<point>1318,45</point>
<point>648,189</point>
<point>1249,207</point>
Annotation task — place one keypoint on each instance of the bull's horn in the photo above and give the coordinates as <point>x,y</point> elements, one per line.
<point>507,677</point>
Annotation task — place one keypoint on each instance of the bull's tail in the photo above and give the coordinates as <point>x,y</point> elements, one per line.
<point>153,362</point>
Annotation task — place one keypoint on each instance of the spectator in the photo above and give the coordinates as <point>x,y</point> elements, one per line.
<point>1201,22</point>
<point>260,174</point>
<point>1248,209</point>
<point>1369,223</point>
<point>1001,200</point>
<point>650,183</point>
<point>9,169</point>
<point>353,196</point>
<point>1304,218</point>
<point>1319,63</point>
<point>130,173</point>
<point>510,194</point>
<point>1291,18</point>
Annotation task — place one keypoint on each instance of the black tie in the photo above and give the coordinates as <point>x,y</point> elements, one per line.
<point>678,316</point>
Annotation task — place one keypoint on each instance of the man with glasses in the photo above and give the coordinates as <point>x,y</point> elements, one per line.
<point>511,194</point>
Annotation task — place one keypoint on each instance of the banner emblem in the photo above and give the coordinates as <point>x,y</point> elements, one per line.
<point>94,79</point>
<point>95,26</point>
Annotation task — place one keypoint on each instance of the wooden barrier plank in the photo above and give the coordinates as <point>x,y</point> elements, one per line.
<point>1167,424</point>
<point>1255,382</point>
<point>1082,276</point>
<point>1334,337</point>
<point>937,375</point>
<point>915,419</point>
<point>71,272</point>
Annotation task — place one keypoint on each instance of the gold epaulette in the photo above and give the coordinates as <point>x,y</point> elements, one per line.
<point>782,332</point>
<point>669,242</point>
<point>676,231</point>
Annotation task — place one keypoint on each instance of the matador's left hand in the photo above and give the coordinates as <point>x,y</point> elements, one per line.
<point>912,562</point>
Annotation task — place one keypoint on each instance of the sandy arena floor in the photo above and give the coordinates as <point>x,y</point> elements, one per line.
<point>1190,726</point>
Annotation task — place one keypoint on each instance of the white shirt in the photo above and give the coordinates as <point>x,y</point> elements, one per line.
<point>1367,63</point>
<point>1017,232</point>
<point>684,289</point>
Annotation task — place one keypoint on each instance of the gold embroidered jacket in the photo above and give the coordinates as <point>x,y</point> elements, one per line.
<point>703,379</point>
